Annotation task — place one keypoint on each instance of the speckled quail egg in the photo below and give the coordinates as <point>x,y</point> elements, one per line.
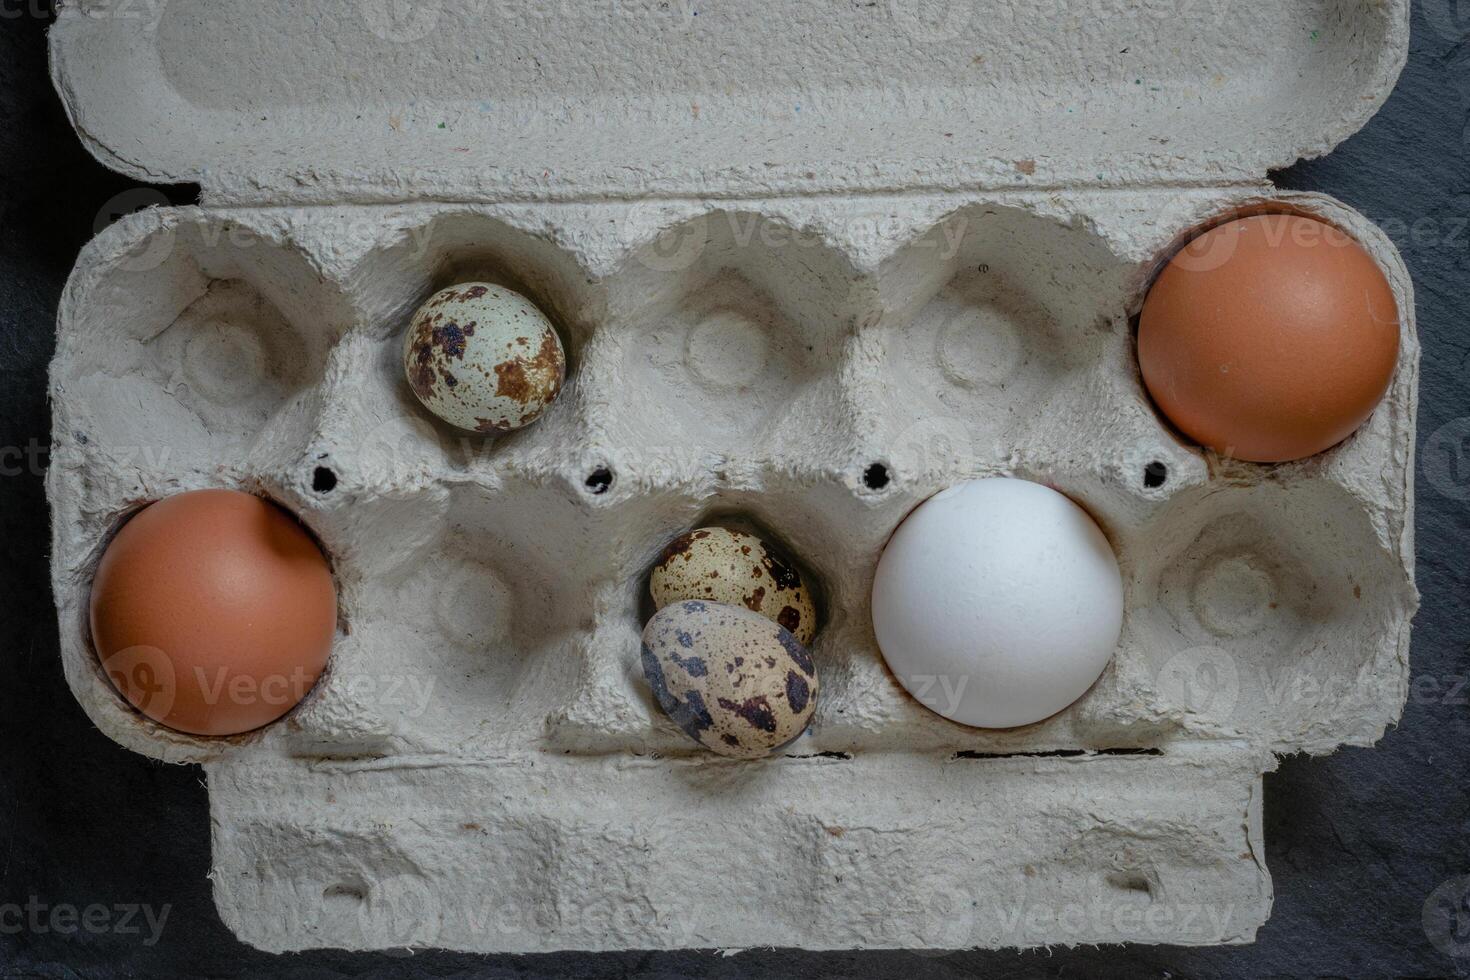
<point>483,358</point>
<point>735,682</point>
<point>720,564</point>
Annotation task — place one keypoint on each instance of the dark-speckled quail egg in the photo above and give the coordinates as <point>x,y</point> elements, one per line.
<point>483,358</point>
<point>735,682</point>
<point>720,564</point>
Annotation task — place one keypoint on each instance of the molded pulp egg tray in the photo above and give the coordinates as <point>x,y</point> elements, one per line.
<point>811,265</point>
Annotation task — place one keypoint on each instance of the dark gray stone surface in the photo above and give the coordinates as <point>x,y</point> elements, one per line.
<point>1356,842</point>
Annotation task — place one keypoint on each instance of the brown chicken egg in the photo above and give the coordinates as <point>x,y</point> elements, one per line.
<point>1269,338</point>
<point>213,612</point>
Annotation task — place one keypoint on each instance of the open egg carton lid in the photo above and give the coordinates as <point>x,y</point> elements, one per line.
<point>375,100</point>
<point>521,792</point>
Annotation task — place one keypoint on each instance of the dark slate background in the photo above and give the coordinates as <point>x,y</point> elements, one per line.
<point>1357,843</point>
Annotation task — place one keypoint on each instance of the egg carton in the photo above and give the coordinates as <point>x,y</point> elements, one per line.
<point>793,299</point>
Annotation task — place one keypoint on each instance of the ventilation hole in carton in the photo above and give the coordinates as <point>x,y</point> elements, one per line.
<point>876,476</point>
<point>1130,881</point>
<point>600,480</point>
<point>1155,474</point>
<point>323,480</point>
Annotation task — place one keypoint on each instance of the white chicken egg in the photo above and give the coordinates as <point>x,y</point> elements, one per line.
<point>997,603</point>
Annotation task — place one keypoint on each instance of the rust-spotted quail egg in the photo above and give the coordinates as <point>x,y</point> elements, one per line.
<point>735,682</point>
<point>720,564</point>
<point>483,358</point>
